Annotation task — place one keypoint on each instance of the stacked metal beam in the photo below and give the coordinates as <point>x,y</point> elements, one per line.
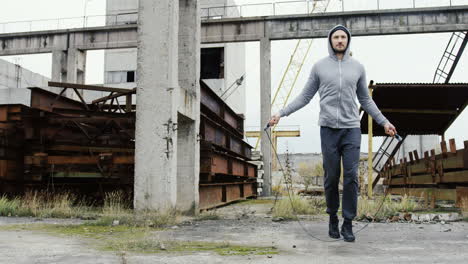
<point>226,173</point>
<point>61,144</point>
<point>435,177</point>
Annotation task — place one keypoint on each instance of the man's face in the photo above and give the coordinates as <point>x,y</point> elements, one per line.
<point>339,41</point>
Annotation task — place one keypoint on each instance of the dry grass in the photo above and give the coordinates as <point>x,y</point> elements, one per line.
<point>288,208</point>
<point>367,208</point>
<point>42,204</point>
<point>278,190</point>
<point>464,207</point>
<point>208,215</point>
<point>116,210</point>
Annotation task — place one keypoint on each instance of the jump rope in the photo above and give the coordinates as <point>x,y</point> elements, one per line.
<point>289,187</point>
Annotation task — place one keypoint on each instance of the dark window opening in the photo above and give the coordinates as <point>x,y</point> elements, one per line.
<point>212,63</point>
<point>131,76</point>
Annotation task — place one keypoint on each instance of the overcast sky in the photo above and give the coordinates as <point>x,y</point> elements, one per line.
<point>403,58</point>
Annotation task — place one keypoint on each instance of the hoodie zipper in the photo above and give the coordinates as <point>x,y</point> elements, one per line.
<point>339,98</point>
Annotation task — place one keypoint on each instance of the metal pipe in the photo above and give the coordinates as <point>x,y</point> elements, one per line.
<point>369,155</point>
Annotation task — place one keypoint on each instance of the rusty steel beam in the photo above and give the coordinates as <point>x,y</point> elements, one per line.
<point>15,112</point>
<point>46,101</point>
<point>105,98</point>
<point>214,195</point>
<point>213,105</point>
<point>446,169</point>
<point>45,160</point>
<point>74,148</point>
<point>218,135</point>
<point>84,113</point>
<point>87,87</point>
<point>216,162</point>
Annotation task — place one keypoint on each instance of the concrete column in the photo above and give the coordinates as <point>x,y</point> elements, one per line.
<point>76,66</point>
<point>59,66</point>
<point>265,108</point>
<point>188,152</point>
<point>156,116</point>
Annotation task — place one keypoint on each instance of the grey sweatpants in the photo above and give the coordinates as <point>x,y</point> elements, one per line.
<point>337,144</point>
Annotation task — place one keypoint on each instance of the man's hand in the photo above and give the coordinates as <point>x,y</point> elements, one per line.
<point>390,129</point>
<point>274,119</point>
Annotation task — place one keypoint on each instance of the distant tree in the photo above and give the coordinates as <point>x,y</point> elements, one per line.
<point>318,170</point>
<point>306,172</point>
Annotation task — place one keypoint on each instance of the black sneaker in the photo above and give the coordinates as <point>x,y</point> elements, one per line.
<point>333,230</point>
<point>347,231</point>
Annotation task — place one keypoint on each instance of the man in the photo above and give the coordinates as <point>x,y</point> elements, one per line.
<point>339,79</point>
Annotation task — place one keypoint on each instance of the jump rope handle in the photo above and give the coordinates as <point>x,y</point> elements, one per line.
<point>398,137</point>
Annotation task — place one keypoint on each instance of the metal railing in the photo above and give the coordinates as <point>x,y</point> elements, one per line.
<point>69,23</point>
<point>305,7</point>
<point>247,10</point>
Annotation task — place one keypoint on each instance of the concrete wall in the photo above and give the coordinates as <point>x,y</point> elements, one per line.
<point>14,76</point>
<point>13,83</point>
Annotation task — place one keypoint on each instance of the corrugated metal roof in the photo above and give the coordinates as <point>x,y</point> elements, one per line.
<point>418,108</point>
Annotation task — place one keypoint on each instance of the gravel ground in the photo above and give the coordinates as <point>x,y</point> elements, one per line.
<point>249,224</point>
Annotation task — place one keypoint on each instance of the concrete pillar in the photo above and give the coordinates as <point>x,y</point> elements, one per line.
<point>156,116</point>
<point>76,66</point>
<point>59,66</point>
<point>265,108</point>
<point>188,147</point>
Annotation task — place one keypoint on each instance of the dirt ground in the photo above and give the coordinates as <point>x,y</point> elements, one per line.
<point>248,224</point>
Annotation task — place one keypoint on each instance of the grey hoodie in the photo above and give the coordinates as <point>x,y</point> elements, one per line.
<point>338,83</point>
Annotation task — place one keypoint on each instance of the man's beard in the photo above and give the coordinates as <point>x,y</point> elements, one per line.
<point>339,51</point>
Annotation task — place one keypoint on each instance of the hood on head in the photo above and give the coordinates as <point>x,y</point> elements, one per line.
<point>331,52</point>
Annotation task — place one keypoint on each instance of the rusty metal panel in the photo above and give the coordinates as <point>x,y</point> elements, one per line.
<point>233,192</point>
<point>44,160</point>
<point>3,113</point>
<point>47,101</point>
<point>250,189</point>
<point>252,171</point>
<point>11,112</point>
<point>210,196</point>
<point>219,163</point>
<point>212,132</point>
<point>214,104</point>
<point>462,195</point>
<point>9,169</point>
<point>238,167</point>
<point>214,164</point>
<point>218,135</point>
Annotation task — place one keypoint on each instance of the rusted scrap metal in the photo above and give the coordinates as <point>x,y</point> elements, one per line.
<point>66,143</point>
<point>100,103</point>
<point>213,105</point>
<point>58,137</point>
<point>45,100</point>
<point>226,173</point>
<point>441,175</point>
<point>217,194</point>
<point>213,161</point>
<point>445,168</point>
<point>220,136</point>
